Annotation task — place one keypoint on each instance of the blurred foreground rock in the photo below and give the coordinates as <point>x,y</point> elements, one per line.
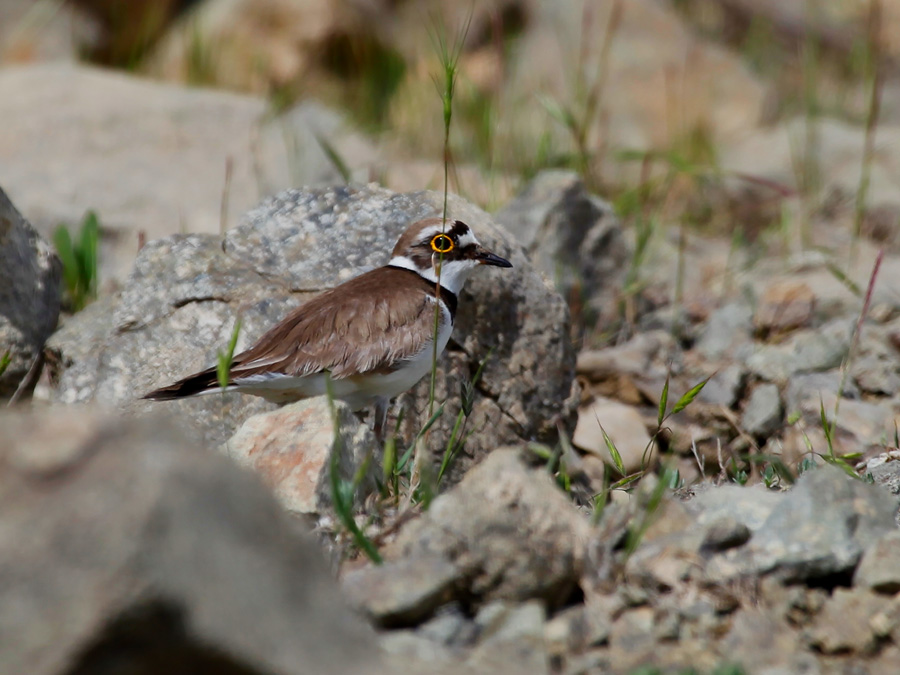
<point>126,548</point>
<point>30,277</point>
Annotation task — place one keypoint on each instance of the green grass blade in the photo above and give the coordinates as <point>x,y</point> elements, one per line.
<point>663,403</point>
<point>614,452</point>
<point>62,241</point>
<point>342,491</point>
<point>86,251</point>
<point>5,360</point>
<point>688,398</point>
<point>411,449</point>
<point>628,480</point>
<point>562,115</point>
<point>334,157</point>
<point>826,427</point>
<point>223,367</point>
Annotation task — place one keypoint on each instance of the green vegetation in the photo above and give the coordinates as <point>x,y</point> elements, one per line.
<point>79,256</point>
<point>5,360</point>
<point>226,358</point>
<point>342,490</point>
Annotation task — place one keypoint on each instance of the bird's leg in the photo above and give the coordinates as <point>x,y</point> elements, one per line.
<point>381,411</point>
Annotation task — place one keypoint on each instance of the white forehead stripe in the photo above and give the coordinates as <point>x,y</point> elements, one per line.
<point>466,239</point>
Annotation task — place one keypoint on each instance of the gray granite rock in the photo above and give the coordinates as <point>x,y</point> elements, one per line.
<point>877,374</point>
<point>30,275</point>
<point>804,351</point>
<point>843,624</point>
<point>724,387</point>
<point>573,237</point>
<point>750,506</point>
<point>728,329</point>
<point>511,634</point>
<point>763,411</point>
<point>508,528</point>
<point>402,592</point>
<point>178,307</point>
<point>751,628</point>
<point>122,543</point>
<point>805,387</point>
<point>820,528</point>
<point>878,568</point>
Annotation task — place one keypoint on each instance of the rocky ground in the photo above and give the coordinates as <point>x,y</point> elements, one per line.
<point>600,511</point>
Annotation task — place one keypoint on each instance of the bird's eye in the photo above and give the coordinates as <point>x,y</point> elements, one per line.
<point>441,243</point>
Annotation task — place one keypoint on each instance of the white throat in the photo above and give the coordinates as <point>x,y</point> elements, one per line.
<point>453,274</point>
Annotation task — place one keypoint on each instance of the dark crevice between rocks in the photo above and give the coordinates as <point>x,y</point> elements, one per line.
<point>183,302</point>
<point>479,387</point>
<point>152,639</point>
<point>829,582</point>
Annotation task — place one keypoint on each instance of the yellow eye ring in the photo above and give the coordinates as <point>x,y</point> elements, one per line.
<point>441,243</point>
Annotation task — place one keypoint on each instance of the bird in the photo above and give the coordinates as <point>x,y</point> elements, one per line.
<point>372,335</point>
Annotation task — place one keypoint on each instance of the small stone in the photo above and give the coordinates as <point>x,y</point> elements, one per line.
<point>645,353</point>
<point>876,375</point>
<point>804,352</point>
<point>450,627</point>
<point>805,387</point>
<point>763,413</point>
<point>724,387</point>
<point>878,569</point>
<point>750,506</point>
<point>843,623</point>
<point>407,644</point>
<point>402,592</point>
<point>511,634</point>
<point>728,329</point>
<point>291,449</point>
<point>887,621</point>
<point>784,305</point>
<point>725,533</point>
<point>625,428</point>
<point>633,630</point>
<point>577,628</point>
<point>752,628</point>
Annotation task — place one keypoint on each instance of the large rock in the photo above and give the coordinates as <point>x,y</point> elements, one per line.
<point>177,309</point>
<point>512,534</point>
<point>30,276</point>
<point>574,238</point>
<point>151,159</point>
<point>125,548</point>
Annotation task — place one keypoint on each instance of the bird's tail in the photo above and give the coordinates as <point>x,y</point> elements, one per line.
<point>197,383</point>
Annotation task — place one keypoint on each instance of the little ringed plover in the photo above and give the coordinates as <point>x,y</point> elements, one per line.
<point>374,334</point>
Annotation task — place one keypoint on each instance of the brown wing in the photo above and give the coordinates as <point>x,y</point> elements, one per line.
<point>349,330</point>
<point>368,324</point>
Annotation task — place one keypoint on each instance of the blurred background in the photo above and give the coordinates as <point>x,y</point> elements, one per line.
<point>772,124</point>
